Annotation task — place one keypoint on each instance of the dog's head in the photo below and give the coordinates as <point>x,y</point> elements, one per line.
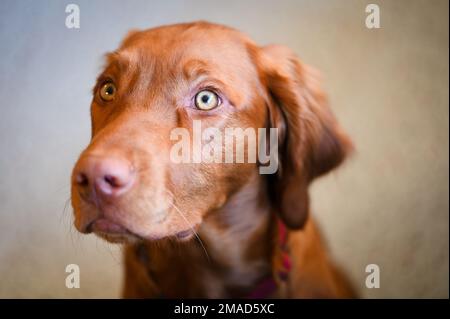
<point>153,93</point>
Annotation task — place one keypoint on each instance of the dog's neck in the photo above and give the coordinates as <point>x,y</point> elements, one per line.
<point>234,254</point>
<point>238,238</point>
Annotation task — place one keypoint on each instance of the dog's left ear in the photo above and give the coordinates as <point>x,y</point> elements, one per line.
<point>311,142</point>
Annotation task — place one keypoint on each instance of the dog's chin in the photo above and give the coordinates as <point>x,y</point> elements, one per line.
<point>114,232</point>
<point>119,238</point>
<point>130,238</point>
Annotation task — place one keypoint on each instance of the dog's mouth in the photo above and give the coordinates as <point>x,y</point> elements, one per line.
<point>112,232</point>
<point>116,233</point>
<point>185,235</point>
<point>103,225</point>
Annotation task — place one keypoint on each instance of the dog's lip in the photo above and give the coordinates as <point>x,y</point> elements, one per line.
<point>104,225</point>
<point>187,234</point>
<point>184,234</point>
<point>108,227</point>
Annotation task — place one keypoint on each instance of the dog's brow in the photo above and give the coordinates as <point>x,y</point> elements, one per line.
<point>195,68</point>
<point>117,59</point>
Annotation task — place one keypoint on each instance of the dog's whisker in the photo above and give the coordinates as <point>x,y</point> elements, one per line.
<point>172,203</point>
<point>111,253</point>
<point>65,219</point>
<point>64,212</point>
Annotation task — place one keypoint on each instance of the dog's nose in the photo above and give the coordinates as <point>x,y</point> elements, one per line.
<point>107,176</point>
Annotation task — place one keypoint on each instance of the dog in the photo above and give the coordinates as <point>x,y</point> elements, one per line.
<point>208,230</point>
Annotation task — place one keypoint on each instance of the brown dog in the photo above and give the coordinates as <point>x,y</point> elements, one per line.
<point>217,229</point>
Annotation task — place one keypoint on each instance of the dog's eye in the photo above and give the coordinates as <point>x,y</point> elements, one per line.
<point>108,91</point>
<point>206,100</point>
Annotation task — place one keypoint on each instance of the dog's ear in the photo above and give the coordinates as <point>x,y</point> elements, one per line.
<point>311,142</point>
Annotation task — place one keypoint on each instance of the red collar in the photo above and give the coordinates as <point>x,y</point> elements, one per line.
<point>268,286</point>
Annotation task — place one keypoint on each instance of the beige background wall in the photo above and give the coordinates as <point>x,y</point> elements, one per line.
<point>389,87</point>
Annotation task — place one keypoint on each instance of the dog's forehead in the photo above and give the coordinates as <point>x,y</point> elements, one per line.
<point>179,45</point>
